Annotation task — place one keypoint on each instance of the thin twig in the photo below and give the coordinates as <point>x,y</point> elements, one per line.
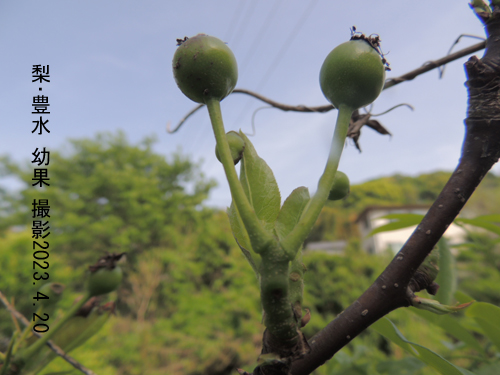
<point>285,107</point>
<point>390,109</point>
<point>50,343</point>
<point>183,120</point>
<point>441,71</point>
<point>435,64</point>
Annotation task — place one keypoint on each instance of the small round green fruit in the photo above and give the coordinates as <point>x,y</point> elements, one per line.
<point>53,291</point>
<point>341,187</point>
<point>352,75</point>
<point>205,68</point>
<point>236,145</point>
<point>104,280</point>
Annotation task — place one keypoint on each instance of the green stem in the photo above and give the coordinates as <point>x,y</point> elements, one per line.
<point>274,292</point>
<point>260,239</point>
<point>292,243</point>
<point>6,360</point>
<point>296,284</point>
<point>27,330</point>
<point>37,345</point>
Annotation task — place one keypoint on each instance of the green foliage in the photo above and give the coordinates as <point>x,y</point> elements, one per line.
<point>333,282</point>
<point>203,315</point>
<point>337,220</point>
<point>261,190</point>
<point>478,266</point>
<point>453,327</point>
<point>385,327</point>
<point>259,185</point>
<point>291,211</point>
<point>447,275</point>
<point>486,316</point>
<point>16,257</point>
<point>488,222</point>
<point>190,303</point>
<point>470,347</point>
<point>110,196</point>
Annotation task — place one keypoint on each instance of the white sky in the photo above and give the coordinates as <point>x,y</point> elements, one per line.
<point>110,67</point>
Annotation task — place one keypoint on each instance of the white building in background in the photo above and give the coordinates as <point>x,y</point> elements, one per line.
<point>329,247</point>
<point>371,218</point>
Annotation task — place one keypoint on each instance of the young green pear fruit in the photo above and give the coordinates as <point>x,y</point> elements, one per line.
<point>53,291</point>
<point>236,145</point>
<point>340,188</point>
<point>204,68</point>
<point>105,276</point>
<point>352,74</point>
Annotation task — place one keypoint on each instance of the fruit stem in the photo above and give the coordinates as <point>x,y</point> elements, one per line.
<point>260,239</point>
<point>37,345</point>
<point>26,330</point>
<point>292,243</point>
<point>8,355</point>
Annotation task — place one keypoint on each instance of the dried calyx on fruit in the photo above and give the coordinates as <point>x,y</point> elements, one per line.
<point>353,74</point>
<point>204,68</point>
<point>236,146</point>
<point>105,275</point>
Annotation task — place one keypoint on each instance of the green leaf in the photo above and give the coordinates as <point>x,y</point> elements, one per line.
<point>8,355</point>
<point>405,366</point>
<point>488,318</point>
<point>462,297</point>
<point>446,278</point>
<point>259,185</point>
<point>242,239</point>
<point>387,329</point>
<point>452,327</point>
<point>292,211</point>
<point>436,307</point>
<point>75,332</point>
<point>401,221</point>
<point>487,222</point>
<point>489,369</point>
<point>493,217</point>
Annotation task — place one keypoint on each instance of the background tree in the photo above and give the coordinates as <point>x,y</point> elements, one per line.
<point>459,195</point>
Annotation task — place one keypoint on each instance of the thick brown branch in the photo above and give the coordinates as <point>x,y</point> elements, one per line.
<point>50,343</point>
<point>480,151</point>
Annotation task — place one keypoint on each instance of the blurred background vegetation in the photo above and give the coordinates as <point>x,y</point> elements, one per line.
<point>190,302</point>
